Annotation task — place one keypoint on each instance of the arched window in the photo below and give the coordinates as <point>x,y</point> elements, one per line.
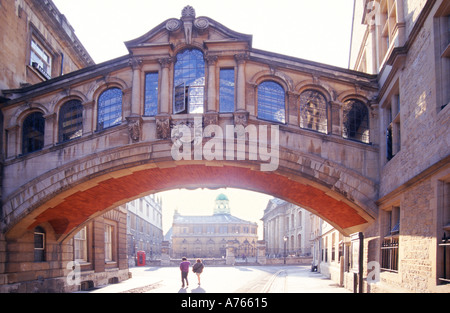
<point>189,82</point>
<point>33,133</point>
<point>356,121</point>
<point>39,244</point>
<point>70,120</point>
<point>313,111</point>
<point>109,108</point>
<point>271,102</point>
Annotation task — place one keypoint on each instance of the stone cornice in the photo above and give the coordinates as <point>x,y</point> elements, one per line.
<point>50,14</point>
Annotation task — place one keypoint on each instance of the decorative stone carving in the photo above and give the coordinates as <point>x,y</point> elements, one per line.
<point>188,20</point>
<point>134,128</point>
<point>173,25</point>
<point>163,127</point>
<point>201,23</point>
<point>188,16</point>
<point>135,63</point>
<point>241,58</point>
<point>188,11</point>
<point>211,59</point>
<point>211,118</point>
<point>165,62</point>
<point>241,118</point>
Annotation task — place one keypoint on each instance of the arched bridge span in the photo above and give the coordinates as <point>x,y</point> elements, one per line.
<point>69,195</point>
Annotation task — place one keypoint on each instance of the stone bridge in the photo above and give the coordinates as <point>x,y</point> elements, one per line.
<point>91,140</point>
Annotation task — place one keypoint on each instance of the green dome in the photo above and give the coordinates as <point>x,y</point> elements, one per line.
<point>222,197</point>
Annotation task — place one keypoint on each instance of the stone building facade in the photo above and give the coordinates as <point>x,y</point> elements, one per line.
<point>144,228</point>
<point>286,224</point>
<point>405,43</point>
<point>39,44</point>
<point>208,236</point>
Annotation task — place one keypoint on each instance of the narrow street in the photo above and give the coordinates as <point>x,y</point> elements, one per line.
<point>239,279</point>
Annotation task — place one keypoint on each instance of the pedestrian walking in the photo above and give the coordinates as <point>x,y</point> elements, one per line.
<point>184,268</point>
<point>198,269</point>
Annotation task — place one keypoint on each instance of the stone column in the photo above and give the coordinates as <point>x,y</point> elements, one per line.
<point>165,257</point>
<point>335,121</point>
<point>88,118</point>
<point>13,141</point>
<point>163,118</point>
<point>261,252</point>
<point>241,59</point>
<point>211,114</point>
<point>292,113</point>
<point>136,65</point>
<point>165,86</point>
<point>230,258</point>
<point>49,132</point>
<point>212,61</point>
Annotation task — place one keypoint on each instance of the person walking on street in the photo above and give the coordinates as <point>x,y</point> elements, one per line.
<point>198,269</point>
<point>184,268</point>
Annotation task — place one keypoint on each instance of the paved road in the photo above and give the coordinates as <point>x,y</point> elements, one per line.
<point>238,279</point>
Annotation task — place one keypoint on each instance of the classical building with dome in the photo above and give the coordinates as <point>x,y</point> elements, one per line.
<point>207,236</point>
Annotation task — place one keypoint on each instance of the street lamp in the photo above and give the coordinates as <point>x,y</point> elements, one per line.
<point>285,238</point>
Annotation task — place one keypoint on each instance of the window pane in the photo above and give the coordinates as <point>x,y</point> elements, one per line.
<point>41,58</point>
<point>271,102</point>
<point>110,108</point>
<point>313,111</point>
<point>39,244</point>
<point>80,245</point>
<point>356,121</point>
<point>33,133</point>
<point>190,73</point>
<point>227,90</point>
<point>108,242</point>
<point>70,120</point>
<point>151,94</point>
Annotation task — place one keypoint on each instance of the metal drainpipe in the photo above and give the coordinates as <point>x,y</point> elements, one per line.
<point>361,262</point>
<point>62,64</point>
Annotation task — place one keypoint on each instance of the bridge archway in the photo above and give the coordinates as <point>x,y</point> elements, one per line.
<point>70,195</point>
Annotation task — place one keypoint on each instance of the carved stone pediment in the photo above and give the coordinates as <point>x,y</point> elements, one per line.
<point>191,26</point>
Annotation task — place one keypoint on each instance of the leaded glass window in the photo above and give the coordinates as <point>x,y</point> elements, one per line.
<point>33,133</point>
<point>110,108</point>
<point>356,121</point>
<point>70,120</point>
<point>227,85</point>
<point>313,111</point>
<point>271,102</point>
<point>189,82</point>
<point>151,94</point>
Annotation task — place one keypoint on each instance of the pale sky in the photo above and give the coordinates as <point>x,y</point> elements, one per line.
<point>318,30</point>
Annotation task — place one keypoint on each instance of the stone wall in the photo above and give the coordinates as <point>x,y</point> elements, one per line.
<point>23,274</point>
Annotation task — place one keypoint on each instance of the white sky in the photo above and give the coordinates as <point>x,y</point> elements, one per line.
<point>318,30</point>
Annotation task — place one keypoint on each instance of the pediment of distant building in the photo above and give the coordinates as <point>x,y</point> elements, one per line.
<point>189,30</point>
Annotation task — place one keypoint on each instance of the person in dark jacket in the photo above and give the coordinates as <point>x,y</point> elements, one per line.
<point>198,269</point>
<point>184,268</point>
